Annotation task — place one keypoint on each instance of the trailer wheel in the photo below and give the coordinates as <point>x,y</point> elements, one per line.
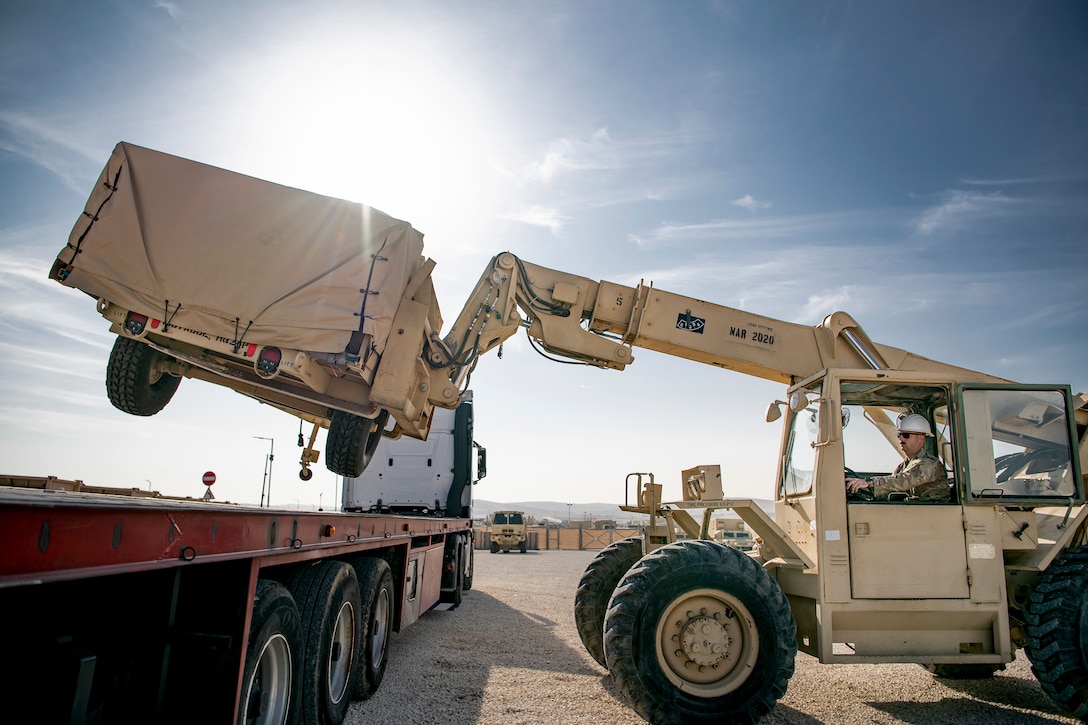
<point>351,442</point>
<point>698,632</point>
<point>327,593</point>
<point>376,586</point>
<point>135,383</point>
<point>1057,641</point>
<point>270,676</point>
<point>595,589</point>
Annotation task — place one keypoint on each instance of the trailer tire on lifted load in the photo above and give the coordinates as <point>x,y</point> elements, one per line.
<point>700,603</point>
<point>134,382</point>
<point>327,594</point>
<point>270,679</point>
<point>351,442</point>
<point>377,596</point>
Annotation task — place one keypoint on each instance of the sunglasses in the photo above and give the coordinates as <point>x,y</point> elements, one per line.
<point>907,435</point>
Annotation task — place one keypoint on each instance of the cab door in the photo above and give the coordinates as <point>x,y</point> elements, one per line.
<point>907,551</point>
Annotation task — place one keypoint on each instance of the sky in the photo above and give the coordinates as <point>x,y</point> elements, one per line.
<point>922,166</point>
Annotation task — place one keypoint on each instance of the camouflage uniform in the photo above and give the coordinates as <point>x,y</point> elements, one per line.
<point>923,478</point>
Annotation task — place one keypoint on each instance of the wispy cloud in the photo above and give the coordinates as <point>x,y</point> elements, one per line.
<point>538,216</point>
<point>172,9</point>
<point>1023,180</point>
<point>751,203</point>
<point>958,208</point>
<point>38,142</point>
<point>802,228</point>
<point>602,152</point>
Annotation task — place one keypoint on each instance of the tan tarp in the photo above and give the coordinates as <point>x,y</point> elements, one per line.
<point>291,266</point>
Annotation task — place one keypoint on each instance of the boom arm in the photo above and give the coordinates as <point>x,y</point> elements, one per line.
<point>598,323</point>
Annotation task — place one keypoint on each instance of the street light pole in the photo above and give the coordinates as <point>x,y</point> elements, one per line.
<point>267,480</point>
<point>568,514</point>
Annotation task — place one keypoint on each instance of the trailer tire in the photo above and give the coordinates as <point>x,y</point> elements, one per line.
<point>595,589</point>
<point>270,678</point>
<point>376,588</point>
<point>327,594</point>
<point>1057,635</point>
<point>728,617</point>
<point>351,442</point>
<point>134,382</point>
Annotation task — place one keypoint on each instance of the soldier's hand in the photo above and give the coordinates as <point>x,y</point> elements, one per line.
<point>853,485</point>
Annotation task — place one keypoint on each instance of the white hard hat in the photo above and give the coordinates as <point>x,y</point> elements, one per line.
<point>914,423</point>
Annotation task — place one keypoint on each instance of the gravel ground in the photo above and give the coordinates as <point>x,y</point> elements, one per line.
<point>510,654</point>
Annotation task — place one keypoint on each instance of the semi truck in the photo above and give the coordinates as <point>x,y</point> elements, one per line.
<point>690,631</point>
<point>138,607</point>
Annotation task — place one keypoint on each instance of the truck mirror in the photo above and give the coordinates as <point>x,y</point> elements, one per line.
<point>830,415</point>
<point>481,461</point>
<point>774,411</point>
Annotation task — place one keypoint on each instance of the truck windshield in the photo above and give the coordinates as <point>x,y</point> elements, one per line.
<point>507,518</point>
<point>801,452</point>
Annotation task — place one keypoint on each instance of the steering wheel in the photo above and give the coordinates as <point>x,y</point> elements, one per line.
<point>862,494</point>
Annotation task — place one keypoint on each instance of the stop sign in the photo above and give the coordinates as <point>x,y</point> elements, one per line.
<point>209,478</point>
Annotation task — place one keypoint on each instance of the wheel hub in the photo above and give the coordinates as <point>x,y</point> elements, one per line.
<point>705,640</point>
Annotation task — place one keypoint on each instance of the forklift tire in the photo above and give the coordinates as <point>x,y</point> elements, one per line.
<point>351,442</point>
<point>595,589</point>
<point>697,632</point>
<point>270,679</point>
<point>134,384</point>
<point>1057,634</point>
<point>327,594</point>
<point>378,601</point>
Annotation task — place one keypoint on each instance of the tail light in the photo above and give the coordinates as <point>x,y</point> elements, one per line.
<point>135,323</point>
<point>268,361</point>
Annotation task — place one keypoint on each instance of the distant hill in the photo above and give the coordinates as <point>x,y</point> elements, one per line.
<point>579,511</point>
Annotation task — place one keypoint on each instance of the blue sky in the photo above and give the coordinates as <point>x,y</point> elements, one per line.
<point>922,166</point>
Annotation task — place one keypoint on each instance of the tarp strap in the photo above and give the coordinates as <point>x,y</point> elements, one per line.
<point>94,217</point>
<point>356,341</point>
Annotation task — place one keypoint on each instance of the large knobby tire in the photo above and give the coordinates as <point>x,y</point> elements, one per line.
<point>327,594</point>
<point>1057,642</point>
<point>595,589</point>
<point>270,680</point>
<point>135,384</point>
<point>351,442</point>
<point>698,632</point>
<point>376,588</point>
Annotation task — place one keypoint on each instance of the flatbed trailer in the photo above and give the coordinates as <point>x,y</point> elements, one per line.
<point>151,609</point>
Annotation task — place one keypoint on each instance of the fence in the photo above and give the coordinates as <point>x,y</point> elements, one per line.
<point>555,539</point>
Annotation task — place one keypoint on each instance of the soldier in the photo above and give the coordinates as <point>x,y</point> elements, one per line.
<point>921,476</point>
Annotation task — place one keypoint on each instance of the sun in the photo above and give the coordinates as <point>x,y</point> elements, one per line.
<point>388,118</point>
